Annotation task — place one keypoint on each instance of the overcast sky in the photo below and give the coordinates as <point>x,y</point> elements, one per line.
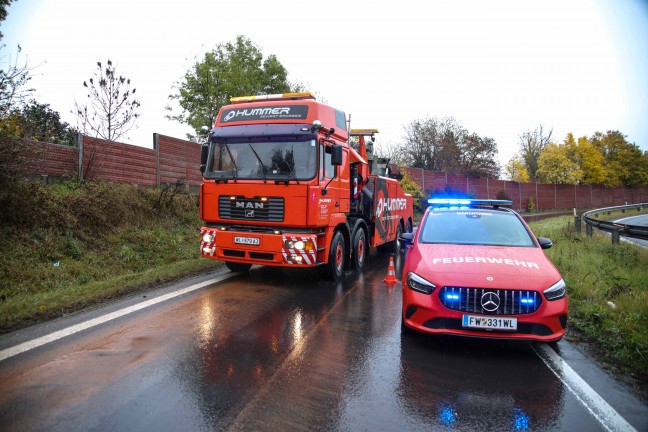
<point>498,67</point>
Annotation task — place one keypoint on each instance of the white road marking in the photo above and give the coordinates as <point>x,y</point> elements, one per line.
<point>35,343</point>
<point>593,402</point>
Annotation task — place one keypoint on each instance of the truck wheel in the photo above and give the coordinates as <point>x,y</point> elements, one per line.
<point>336,258</point>
<point>238,267</point>
<point>397,243</point>
<point>359,249</point>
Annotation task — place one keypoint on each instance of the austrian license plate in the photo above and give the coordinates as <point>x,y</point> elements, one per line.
<point>487,322</point>
<point>247,241</point>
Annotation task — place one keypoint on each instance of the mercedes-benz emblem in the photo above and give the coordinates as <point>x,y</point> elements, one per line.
<point>490,301</point>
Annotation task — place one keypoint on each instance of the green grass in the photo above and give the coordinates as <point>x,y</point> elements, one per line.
<point>608,292</point>
<point>66,247</point>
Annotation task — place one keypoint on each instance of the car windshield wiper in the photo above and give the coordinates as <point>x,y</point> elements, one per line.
<point>263,168</point>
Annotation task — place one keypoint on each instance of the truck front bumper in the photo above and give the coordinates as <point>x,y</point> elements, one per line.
<point>259,248</point>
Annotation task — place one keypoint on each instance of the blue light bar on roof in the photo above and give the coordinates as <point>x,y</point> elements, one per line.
<point>453,202</point>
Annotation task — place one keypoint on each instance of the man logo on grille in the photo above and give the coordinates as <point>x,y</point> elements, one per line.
<point>490,301</point>
<point>249,213</point>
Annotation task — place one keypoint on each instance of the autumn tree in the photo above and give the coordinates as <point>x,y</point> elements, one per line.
<point>531,144</point>
<point>555,166</point>
<point>36,121</point>
<point>516,170</point>
<point>110,110</point>
<point>625,163</point>
<point>411,187</point>
<point>231,69</point>
<point>588,158</point>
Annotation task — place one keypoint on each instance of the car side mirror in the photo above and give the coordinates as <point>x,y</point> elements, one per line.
<point>407,238</point>
<point>545,243</point>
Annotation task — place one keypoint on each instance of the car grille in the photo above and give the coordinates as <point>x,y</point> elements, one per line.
<point>251,209</point>
<point>511,302</point>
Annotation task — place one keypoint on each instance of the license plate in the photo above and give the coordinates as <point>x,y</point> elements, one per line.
<point>488,322</point>
<point>247,241</point>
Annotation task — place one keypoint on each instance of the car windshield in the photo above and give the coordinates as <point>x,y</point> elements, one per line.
<point>262,159</point>
<point>475,227</point>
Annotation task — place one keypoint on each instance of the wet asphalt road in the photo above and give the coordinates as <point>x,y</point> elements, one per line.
<point>283,350</point>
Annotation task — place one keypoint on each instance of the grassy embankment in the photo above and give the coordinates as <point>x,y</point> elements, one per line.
<point>608,292</point>
<point>64,247</point>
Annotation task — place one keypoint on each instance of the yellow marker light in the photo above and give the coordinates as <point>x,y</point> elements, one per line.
<point>300,95</point>
<point>357,132</point>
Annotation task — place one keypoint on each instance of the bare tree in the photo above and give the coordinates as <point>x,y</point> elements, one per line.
<point>14,76</point>
<point>531,145</point>
<point>111,109</point>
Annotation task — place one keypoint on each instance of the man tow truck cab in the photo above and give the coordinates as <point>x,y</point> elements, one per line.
<point>282,186</point>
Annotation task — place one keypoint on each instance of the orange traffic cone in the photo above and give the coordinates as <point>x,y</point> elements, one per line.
<point>391,272</point>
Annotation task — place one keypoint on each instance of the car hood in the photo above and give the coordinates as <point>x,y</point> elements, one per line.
<point>483,266</point>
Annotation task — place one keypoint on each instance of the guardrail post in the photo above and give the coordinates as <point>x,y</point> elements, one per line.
<point>615,236</point>
<point>588,229</point>
<point>577,223</point>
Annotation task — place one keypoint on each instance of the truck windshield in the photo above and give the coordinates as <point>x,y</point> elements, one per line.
<point>268,159</point>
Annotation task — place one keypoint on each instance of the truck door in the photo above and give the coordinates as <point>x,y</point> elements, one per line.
<point>329,201</point>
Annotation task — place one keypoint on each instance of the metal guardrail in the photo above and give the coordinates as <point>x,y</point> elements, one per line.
<point>614,228</point>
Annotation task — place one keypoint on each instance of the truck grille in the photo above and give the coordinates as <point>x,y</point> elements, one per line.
<point>511,302</point>
<point>251,209</point>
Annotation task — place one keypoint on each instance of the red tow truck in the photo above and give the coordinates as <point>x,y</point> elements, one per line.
<point>283,186</point>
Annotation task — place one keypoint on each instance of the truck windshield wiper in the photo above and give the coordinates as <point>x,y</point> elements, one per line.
<point>263,168</point>
<point>232,159</point>
<point>292,170</point>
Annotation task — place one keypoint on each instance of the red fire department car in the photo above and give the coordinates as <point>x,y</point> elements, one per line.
<point>474,268</point>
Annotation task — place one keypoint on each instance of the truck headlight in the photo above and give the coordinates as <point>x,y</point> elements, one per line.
<point>208,237</point>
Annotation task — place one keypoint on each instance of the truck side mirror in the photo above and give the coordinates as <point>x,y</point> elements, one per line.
<point>336,155</point>
<point>204,152</point>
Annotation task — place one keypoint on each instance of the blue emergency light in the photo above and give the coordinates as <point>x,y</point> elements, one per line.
<point>452,297</point>
<point>526,301</point>
<point>466,202</point>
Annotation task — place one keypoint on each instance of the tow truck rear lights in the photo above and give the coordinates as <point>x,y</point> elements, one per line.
<point>273,97</point>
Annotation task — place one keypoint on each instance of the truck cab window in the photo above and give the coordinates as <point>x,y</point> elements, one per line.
<point>328,169</point>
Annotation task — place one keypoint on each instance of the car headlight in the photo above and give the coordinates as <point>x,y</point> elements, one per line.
<point>417,283</point>
<point>556,291</point>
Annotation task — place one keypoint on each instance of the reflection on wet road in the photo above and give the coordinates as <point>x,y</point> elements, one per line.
<point>278,350</point>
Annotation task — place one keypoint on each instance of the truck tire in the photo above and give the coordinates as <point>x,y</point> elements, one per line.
<point>394,246</point>
<point>336,258</point>
<point>359,249</point>
<point>238,267</point>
